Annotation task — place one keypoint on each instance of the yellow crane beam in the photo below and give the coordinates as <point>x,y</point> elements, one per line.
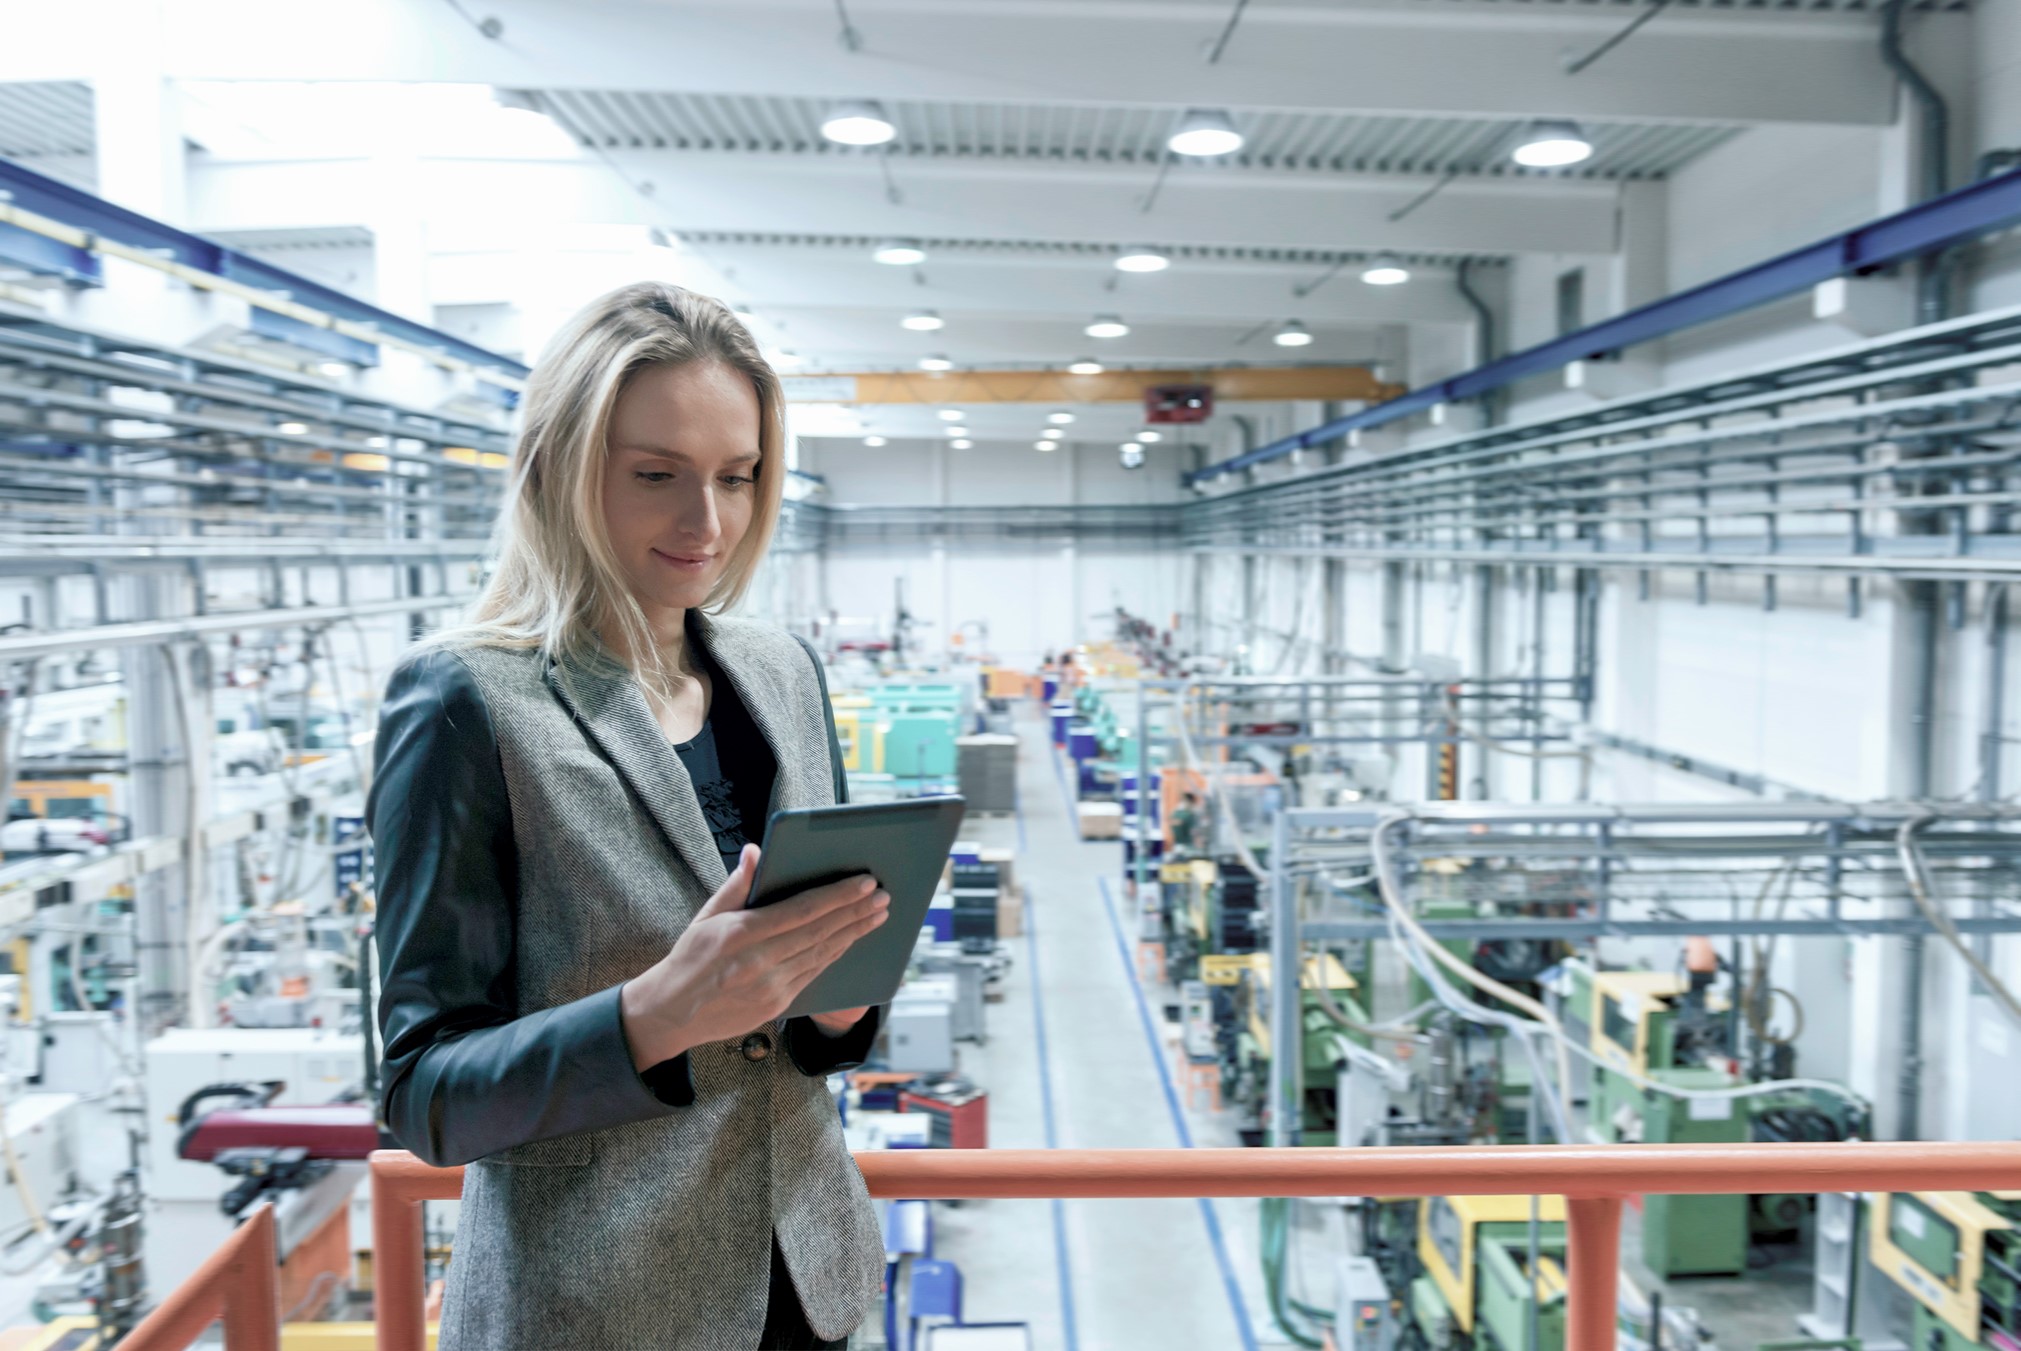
<point>1237,384</point>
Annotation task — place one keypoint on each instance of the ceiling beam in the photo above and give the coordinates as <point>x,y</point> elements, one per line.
<point>1240,384</point>
<point>1374,56</point>
<point>771,193</point>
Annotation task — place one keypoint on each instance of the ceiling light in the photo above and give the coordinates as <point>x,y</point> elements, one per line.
<point>1059,419</point>
<point>961,445</point>
<point>935,363</point>
<point>1205,131</point>
<point>951,415</point>
<point>1045,445</point>
<point>1142,258</point>
<point>294,428</point>
<point>1293,334</point>
<point>957,431</point>
<point>1133,456</point>
<point>1150,434</point>
<point>1107,326</point>
<point>1086,366</point>
<point>857,122</point>
<point>1550,144</point>
<point>922,321</point>
<point>873,440</point>
<point>900,252</point>
<point>1132,448</point>
<point>1385,269</point>
<point>334,369</point>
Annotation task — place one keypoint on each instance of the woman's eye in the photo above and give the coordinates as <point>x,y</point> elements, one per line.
<point>654,476</point>
<point>735,480</point>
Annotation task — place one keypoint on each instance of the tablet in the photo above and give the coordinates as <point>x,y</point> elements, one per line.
<point>904,845</point>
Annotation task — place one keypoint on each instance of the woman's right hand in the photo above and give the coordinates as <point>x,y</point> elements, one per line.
<point>735,969</point>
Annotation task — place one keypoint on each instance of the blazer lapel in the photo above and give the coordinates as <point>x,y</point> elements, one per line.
<point>608,703</point>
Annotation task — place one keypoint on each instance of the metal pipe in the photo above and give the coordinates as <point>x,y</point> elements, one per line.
<point>1593,1256</point>
<point>1932,286</point>
<point>1285,984</point>
<point>1488,345</point>
<point>1990,739</point>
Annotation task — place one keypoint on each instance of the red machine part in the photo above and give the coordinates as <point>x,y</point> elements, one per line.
<point>961,1121</point>
<point>1178,403</point>
<point>341,1130</point>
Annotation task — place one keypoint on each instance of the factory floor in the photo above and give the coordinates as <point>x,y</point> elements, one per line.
<point>1080,1056</point>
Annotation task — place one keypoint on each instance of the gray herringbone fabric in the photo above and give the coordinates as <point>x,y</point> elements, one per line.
<point>654,1234</point>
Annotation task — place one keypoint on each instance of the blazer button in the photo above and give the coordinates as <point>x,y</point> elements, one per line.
<point>757,1046</point>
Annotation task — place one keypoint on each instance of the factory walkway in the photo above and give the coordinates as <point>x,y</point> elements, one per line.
<point>1174,1274</point>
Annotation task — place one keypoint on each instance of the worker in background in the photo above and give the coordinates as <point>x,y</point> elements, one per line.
<point>1186,832</point>
<point>576,1001</point>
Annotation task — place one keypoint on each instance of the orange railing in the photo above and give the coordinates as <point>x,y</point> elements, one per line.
<point>1594,1180</point>
<point>240,1283</point>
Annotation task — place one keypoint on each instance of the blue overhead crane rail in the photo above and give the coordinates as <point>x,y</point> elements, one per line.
<point>1924,228</point>
<point>46,196</point>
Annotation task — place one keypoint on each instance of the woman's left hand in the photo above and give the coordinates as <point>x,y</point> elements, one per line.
<point>840,1021</point>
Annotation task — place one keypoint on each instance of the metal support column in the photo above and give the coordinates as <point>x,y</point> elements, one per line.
<point>1285,1050</point>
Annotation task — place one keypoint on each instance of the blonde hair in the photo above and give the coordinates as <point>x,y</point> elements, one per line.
<point>557,582</point>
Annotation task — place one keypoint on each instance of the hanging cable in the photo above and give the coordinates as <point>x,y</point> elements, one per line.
<point>1913,865</point>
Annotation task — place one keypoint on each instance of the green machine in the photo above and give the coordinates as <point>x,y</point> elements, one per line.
<point>1468,1273</point>
<point>1246,977</point>
<point>1958,1256</point>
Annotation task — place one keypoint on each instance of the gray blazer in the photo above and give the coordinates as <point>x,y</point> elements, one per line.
<point>537,844</point>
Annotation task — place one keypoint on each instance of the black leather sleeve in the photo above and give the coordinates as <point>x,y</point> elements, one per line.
<point>813,1051</point>
<point>464,1076</point>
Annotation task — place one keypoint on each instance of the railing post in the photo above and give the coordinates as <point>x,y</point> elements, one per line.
<point>399,1282</point>
<point>1593,1253</point>
<point>252,1297</point>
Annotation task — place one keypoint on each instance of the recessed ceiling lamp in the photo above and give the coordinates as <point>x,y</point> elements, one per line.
<point>922,321</point>
<point>961,445</point>
<point>1385,269</point>
<point>951,415</point>
<point>1045,445</point>
<point>1086,366</point>
<point>858,122</point>
<point>873,440</point>
<point>1205,131</point>
<point>1293,334</point>
<point>900,252</point>
<point>1150,434</point>
<point>1107,326</point>
<point>1142,258</point>
<point>1060,419</point>
<point>1552,144</point>
<point>935,363</point>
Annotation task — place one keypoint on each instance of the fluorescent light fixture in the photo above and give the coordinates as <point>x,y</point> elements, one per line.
<point>1059,419</point>
<point>334,369</point>
<point>900,252</point>
<point>935,363</point>
<point>1107,326</point>
<point>1086,366</point>
<point>1142,258</point>
<point>1385,269</point>
<point>951,415</point>
<point>922,321</point>
<point>1552,144</point>
<point>858,122</point>
<point>1205,131</point>
<point>293,428</point>
<point>961,445</point>
<point>873,441</point>
<point>1293,334</point>
<point>1150,434</point>
<point>1045,445</point>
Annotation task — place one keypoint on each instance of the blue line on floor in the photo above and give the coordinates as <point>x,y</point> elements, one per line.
<point>1067,1318</point>
<point>1207,1213</point>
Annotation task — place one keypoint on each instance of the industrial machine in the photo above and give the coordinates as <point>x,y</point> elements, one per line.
<point>1958,1256</point>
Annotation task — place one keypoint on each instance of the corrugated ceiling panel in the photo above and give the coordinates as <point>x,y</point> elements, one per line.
<point>1317,142</point>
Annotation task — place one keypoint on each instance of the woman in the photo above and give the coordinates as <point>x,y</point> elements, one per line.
<point>566,790</point>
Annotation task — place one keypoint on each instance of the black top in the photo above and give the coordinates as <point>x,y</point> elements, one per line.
<point>464,1073</point>
<point>729,763</point>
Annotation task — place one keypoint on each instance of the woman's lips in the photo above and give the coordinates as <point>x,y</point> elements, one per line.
<point>685,562</point>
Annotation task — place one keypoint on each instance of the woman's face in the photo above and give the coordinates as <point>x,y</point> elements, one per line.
<point>679,480</point>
